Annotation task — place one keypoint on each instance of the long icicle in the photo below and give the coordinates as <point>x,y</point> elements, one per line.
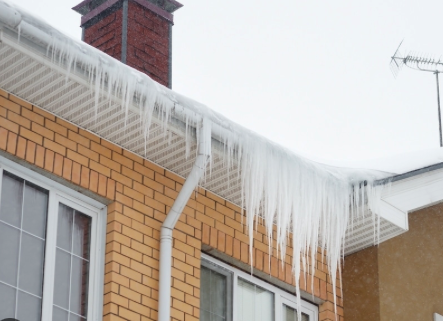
<point>312,202</point>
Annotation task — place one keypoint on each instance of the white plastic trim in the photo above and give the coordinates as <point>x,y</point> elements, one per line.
<point>281,296</point>
<point>411,194</point>
<point>197,172</point>
<point>93,208</point>
<point>394,215</point>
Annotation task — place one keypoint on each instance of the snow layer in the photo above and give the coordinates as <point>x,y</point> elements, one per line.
<point>313,201</point>
<point>396,164</point>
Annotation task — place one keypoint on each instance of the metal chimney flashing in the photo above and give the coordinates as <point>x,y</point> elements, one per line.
<point>90,9</point>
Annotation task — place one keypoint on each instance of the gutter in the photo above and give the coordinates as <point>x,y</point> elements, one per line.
<point>406,175</point>
<point>197,172</point>
<point>11,18</point>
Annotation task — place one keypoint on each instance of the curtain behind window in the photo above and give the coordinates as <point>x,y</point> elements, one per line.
<point>254,303</point>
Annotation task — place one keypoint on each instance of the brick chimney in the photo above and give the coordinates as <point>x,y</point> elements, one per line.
<point>136,32</point>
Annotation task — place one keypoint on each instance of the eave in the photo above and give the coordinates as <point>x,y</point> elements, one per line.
<point>29,73</point>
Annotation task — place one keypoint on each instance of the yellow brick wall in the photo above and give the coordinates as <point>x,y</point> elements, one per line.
<point>141,194</point>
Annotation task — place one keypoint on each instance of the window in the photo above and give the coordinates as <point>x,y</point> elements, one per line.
<point>51,258</point>
<point>216,285</point>
<point>230,294</point>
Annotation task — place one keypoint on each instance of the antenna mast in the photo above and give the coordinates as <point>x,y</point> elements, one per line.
<point>420,63</point>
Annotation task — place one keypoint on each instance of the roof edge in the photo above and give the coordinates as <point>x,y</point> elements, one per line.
<point>406,175</point>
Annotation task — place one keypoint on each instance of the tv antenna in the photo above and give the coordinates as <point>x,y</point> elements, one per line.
<point>420,63</point>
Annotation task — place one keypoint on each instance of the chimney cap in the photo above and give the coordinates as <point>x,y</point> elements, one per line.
<point>87,6</point>
<point>167,5</point>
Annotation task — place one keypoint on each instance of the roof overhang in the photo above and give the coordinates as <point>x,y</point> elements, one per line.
<point>413,191</point>
<point>404,194</point>
<point>29,72</point>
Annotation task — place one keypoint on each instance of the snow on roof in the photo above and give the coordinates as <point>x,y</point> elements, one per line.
<point>396,164</point>
<point>314,201</point>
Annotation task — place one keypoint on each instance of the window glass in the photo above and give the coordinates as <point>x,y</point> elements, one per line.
<point>12,200</point>
<point>32,256</point>
<point>72,264</point>
<point>23,216</point>
<point>290,314</point>
<point>7,301</point>
<point>250,299</point>
<point>253,302</point>
<point>214,296</point>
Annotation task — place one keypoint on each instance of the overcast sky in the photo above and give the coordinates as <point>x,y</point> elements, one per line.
<point>312,76</point>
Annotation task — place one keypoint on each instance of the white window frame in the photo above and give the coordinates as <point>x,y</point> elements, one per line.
<point>280,296</point>
<point>59,193</point>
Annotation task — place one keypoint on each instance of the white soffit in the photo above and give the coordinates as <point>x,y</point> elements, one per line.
<point>27,72</point>
<point>438,317</point>
<point>415,191</point>
<point>407,193</point>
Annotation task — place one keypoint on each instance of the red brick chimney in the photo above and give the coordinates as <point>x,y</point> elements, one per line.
<point>136,32</point>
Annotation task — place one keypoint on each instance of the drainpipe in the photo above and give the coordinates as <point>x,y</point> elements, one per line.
<point>204,153</point>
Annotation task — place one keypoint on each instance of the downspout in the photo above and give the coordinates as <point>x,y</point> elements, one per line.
<point>203,156</point>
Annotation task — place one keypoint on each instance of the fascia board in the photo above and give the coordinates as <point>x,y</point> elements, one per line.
<point>412,194</point>
<point>394,215</point>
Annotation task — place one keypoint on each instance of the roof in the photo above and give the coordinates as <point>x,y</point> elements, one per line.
<point>397,164</point>
<point>98,93</point>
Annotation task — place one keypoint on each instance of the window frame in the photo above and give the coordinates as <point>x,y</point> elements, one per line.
<point>280,296</point>
<point>59,193</point>
<point>229,286</point>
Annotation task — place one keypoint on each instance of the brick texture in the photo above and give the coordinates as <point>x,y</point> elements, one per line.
<point>106,34</point>
<point>147,40</point>
<point>148,43</point>
<point>141,194</point>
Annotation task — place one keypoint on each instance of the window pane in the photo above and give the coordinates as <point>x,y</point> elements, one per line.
<point>213,297</point>
<point>290,314</point>
<point>31,264</point>
<point>62,279</point>
<point>82,233</point>
<point>29,307</point>
<point>7,301</point>
<point>75,317</point>
<point>205,315</point>
<point>35,207</point>
<point>64,230</point>
<point>218,294</point>
<point>72,262</point>
<point>205,290</point>
<point>246,296</point>
<point>9,249</point>
<point>79,286</point>
<point>59,314</point>
<point>12,199</point>
<point>23,210</point>
<point>254,303</point>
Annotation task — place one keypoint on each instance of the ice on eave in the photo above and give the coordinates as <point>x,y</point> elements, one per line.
<point>311,200</point>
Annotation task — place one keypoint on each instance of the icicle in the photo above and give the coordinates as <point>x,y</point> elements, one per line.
<point>314,202</point>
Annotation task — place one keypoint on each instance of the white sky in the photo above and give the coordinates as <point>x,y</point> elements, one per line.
<point>310,75</point>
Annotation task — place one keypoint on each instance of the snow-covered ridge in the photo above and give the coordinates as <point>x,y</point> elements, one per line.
<point>309,199</point>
